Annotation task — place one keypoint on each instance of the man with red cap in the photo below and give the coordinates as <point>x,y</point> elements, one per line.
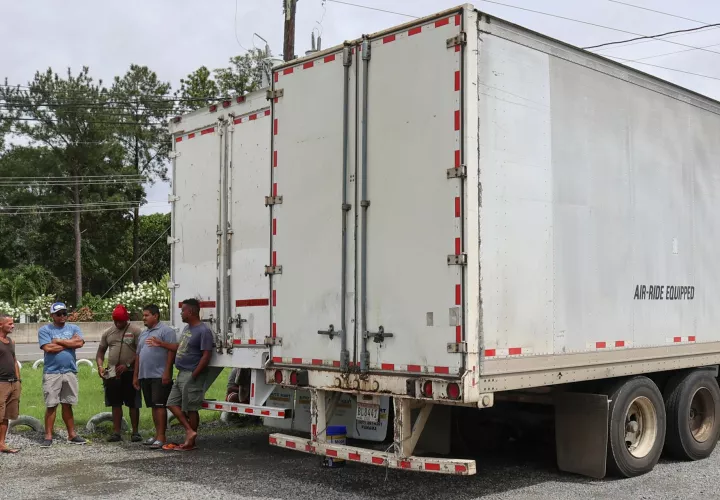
<point>120,343</point>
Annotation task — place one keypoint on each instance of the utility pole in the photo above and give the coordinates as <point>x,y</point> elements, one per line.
<point>289,9</point>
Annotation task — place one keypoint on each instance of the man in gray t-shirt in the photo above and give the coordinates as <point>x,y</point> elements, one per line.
<point>153,371</point>
<point>192,357</point>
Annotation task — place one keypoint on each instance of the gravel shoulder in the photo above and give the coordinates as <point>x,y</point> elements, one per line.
<point>237,462</point>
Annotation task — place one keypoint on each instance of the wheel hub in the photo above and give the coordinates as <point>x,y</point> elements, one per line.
<point>640,427</point>
<point>701,417</point>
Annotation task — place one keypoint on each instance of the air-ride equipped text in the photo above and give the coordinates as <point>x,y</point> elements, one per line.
<point>664,292</point>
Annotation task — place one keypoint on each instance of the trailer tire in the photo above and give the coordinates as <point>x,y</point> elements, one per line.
<point>692,404</point>
<point>636,427</point>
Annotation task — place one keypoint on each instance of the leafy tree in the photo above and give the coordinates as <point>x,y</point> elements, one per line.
<point>22,284</point>
<point>245,73</point>
<point>156,262</point>
<point>196,89</point>
<point>70,119</point>
<point>143,135</point>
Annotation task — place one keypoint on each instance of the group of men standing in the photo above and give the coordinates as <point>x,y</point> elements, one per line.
<point>138,363</point>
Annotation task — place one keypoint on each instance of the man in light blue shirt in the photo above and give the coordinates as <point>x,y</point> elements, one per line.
<point>153,371</point>
<point>60,384</point>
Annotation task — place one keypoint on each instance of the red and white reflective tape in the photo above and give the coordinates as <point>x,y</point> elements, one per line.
<point>609,344</point>
<point>252,302</point>
<point>204,304</point>
<point>372,457</point>
<point>453,20</point>
<point>425,370</point>
<point>681,340</point>
<point>505,352</point>
<point>320,61</point>
<point>241,409</point>
<point>251,117</point>
<point>248,342</point>
<point>193,135</point>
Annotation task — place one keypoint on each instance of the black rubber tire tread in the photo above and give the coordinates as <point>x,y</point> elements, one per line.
<point>619,461</point>
<point>679,442</point>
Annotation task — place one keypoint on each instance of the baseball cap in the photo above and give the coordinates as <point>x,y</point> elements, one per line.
<point>57,306</point>
<point>120,313</point>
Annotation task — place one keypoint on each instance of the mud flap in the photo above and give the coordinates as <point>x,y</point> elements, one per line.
<point>581,433</point>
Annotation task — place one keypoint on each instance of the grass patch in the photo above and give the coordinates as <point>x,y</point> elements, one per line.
<point>91,400</point>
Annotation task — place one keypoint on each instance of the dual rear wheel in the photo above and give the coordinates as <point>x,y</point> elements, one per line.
<point>684,422</point>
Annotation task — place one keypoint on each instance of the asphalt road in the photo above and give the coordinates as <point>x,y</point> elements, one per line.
<point>31,352</point>
<point>239,463</point>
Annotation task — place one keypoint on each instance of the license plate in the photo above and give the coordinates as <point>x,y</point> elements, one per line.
<point>368,413</point>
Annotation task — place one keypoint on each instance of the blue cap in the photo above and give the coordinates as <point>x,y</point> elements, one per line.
<point>57,306</point>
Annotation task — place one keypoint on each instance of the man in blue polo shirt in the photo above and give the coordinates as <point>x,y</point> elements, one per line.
<point>60,384</point>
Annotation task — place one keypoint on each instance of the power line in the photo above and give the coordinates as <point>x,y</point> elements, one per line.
<point>51,212</point>
<point>637,61</point>
<point>648,37</point>
<point>647,41</point>
<point>670,53</point>
<point>639,36</point>
<point>69,183</point>
<point>373,8</point>
<point>136,261</point>
<point>96,204</point>
<point>657,11</point>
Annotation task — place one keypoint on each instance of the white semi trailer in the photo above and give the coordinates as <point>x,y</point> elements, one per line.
<point>465,212</point>
<point>219,246</point>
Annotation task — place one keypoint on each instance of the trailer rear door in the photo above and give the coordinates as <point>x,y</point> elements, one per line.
<point>307,211</point>
<point>196,215</point>
<point>414,240</point>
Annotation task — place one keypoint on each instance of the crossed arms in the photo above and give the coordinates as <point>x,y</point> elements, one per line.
<point>58,345</point>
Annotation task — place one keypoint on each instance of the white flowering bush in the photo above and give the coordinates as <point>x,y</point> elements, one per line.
<point>37,309</point>
<point>135,297</point>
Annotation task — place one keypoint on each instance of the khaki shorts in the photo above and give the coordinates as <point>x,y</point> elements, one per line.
<point>187,393</point>
<point>60,388</point>
<point>9,400</point>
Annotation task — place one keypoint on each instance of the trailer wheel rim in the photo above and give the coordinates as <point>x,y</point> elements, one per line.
<point>701,415</point>
<point>641,427</point>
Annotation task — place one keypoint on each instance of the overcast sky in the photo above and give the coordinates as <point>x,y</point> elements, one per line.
<point>174,37</point>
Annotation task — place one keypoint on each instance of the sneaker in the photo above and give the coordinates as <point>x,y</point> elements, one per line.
<point>136,438</point>
<point>47,443</point>
<point>114,438</point>
<point>76,440</point>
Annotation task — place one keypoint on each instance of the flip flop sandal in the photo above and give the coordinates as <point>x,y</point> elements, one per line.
<point>157,445</point>
<point>150,441</point>
<point>9,450</point>
<point>170,446</point>
<point>182,447</point>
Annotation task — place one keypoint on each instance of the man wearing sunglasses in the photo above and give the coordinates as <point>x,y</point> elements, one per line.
<point>60,384</point>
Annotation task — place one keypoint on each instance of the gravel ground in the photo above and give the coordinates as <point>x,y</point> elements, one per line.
<point>238,463</point>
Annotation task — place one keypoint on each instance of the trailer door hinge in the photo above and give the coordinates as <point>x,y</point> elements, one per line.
<point>270,270</point>
<point>273,340</point>
<point>457,348</point>
<point>173,198</point>
<point>457,173</point>
<point>174,154</point>
<point>274,94</point>
<point>457,260</point>
<point>172,241</point>
<point>460,39</point>
<point>172,285</point>
<point>273,200</point>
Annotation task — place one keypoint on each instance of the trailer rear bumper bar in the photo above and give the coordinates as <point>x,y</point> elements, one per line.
<point>245,409</point>
<point>365,456</point>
